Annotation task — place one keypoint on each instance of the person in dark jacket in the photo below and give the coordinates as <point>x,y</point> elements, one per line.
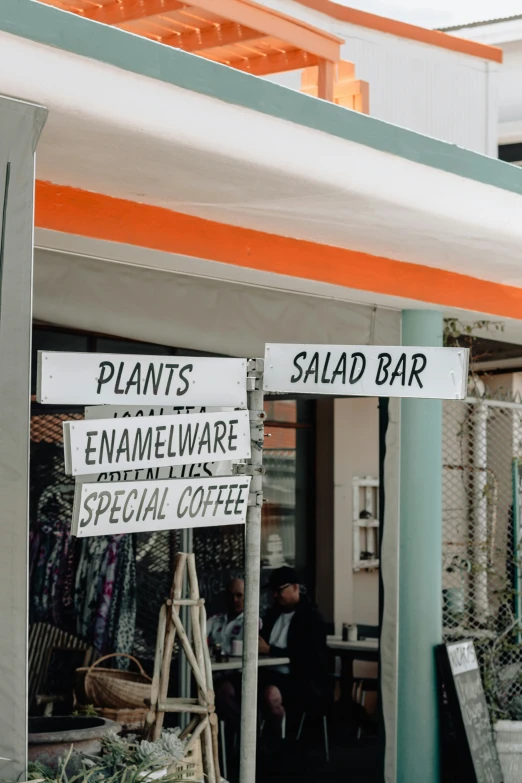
<point>294,629</point>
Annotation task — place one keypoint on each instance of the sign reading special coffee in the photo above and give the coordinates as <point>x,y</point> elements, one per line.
<point>136,507</point>
<point>367,370</point>
<point>114,379</point>
<point>108,445</point>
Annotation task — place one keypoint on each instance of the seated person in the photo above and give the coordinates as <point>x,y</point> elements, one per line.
<point>293,629</point>
<point>223,628</point>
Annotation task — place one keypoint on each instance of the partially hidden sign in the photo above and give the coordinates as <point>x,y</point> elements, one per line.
<point>367,370</point>
<point>146,506</point>
<point>108,445</point>
<point>117,379</point>
<point>130,411</point>
<point>469,750</point>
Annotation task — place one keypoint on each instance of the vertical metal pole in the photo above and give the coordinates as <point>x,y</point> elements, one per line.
<point>20,126</point>
<point>247,773</point>
<point>185,672</point>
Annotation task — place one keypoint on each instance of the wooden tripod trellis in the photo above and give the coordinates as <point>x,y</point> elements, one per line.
<point>204,723</point>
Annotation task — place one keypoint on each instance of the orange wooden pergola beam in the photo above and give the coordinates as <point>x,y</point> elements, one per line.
<point>212,37</point>
<point>275,25</point>
<point>275,63</point>
<point>121,11</point>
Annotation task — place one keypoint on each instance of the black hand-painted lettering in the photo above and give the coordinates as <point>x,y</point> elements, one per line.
<point>313,368</point>
<point>104,501</point>
<point>199,493</point>
<point>324,379</point>
<point>105,377</point>
<point>188,435</point>
<point>230,499</point>
<point>161,515</point>
<point>232,435</point>
<point>92,497</point>
<point>207,469</point>
<point>170,367</point>
<point>117,389</point>
<point>113,520</point>
<point>296,378</point>
<point>135,379</point>
<point>124,447</point>
<point>241,498</point>
<point>218,436</point>
<point>128,516</point>
<point>205,440</point>
<point>419,365</point>
<point>153,379</point>
<point>108,446</point>
<point>90,449</point>
<point>209,500</point>
<point>179,513</point>
<point>159,444</point>
<point>186,369</point>
<point>355,357</point>
<point>382,370</point>
<point>340,369</point>
<point>400,370</point>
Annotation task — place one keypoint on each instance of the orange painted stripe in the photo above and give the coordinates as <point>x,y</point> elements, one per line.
<point>404,30</point>
<point>73,211</point>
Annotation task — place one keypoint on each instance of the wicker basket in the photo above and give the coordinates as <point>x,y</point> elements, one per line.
<point>113,688</point>
<point>128,719</point>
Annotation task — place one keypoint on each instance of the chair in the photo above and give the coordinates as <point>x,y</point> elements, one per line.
<point>366,680</point>
<point>325,732</point>
<point>47,648</point>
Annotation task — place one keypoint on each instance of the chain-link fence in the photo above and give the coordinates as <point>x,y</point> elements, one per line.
<point>481,450</point>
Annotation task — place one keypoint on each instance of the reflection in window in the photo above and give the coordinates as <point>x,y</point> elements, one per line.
<point>279,487</point>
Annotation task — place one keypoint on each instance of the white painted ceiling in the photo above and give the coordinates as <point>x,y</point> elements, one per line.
<point>120,134</point>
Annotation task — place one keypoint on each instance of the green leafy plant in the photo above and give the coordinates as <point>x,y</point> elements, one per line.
<point>122,760</point>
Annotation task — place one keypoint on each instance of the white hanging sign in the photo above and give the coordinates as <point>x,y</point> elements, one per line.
<point>146,506</point>
<point>196,470</point>
<point>105,379</point>
<point>126,411</point>
<point>108,445</point>
<point>367,370</point>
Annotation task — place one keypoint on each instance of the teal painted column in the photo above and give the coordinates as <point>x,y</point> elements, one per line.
<point>420,570</point>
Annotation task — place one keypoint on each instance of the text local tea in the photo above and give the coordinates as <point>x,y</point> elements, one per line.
<point>155,441</point>
<point>367,370</point>
<point>159,505</point>
<point>129,411</point>
<point>113,379</point>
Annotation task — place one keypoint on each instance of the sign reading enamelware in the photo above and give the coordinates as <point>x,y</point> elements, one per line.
<point>126,411</point>
<point>108,509</point>
<point>155,441</point>
<point>367,370</point>
<point>114,379</point>
<point>196,470</point>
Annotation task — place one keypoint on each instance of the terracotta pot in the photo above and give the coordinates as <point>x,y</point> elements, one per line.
<point>52,737</point>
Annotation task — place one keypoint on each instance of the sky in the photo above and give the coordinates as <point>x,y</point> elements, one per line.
<point>438,13</point>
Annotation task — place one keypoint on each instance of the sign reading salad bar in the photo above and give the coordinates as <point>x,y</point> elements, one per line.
<point>367,370</point>
<point>115,379</point>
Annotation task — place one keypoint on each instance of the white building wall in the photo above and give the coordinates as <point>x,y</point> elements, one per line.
<point>356,453</point>
<point>437,92</point>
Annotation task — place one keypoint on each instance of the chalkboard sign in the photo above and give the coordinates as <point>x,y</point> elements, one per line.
<point>469,750</point>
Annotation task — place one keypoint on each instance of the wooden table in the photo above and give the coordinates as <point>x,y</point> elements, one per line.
<point>236,663</point>
<point>348,652</point>
<point>361,645</point>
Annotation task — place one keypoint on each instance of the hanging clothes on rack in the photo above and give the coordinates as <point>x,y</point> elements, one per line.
<point>121,624</point>
<point>49,549</point>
